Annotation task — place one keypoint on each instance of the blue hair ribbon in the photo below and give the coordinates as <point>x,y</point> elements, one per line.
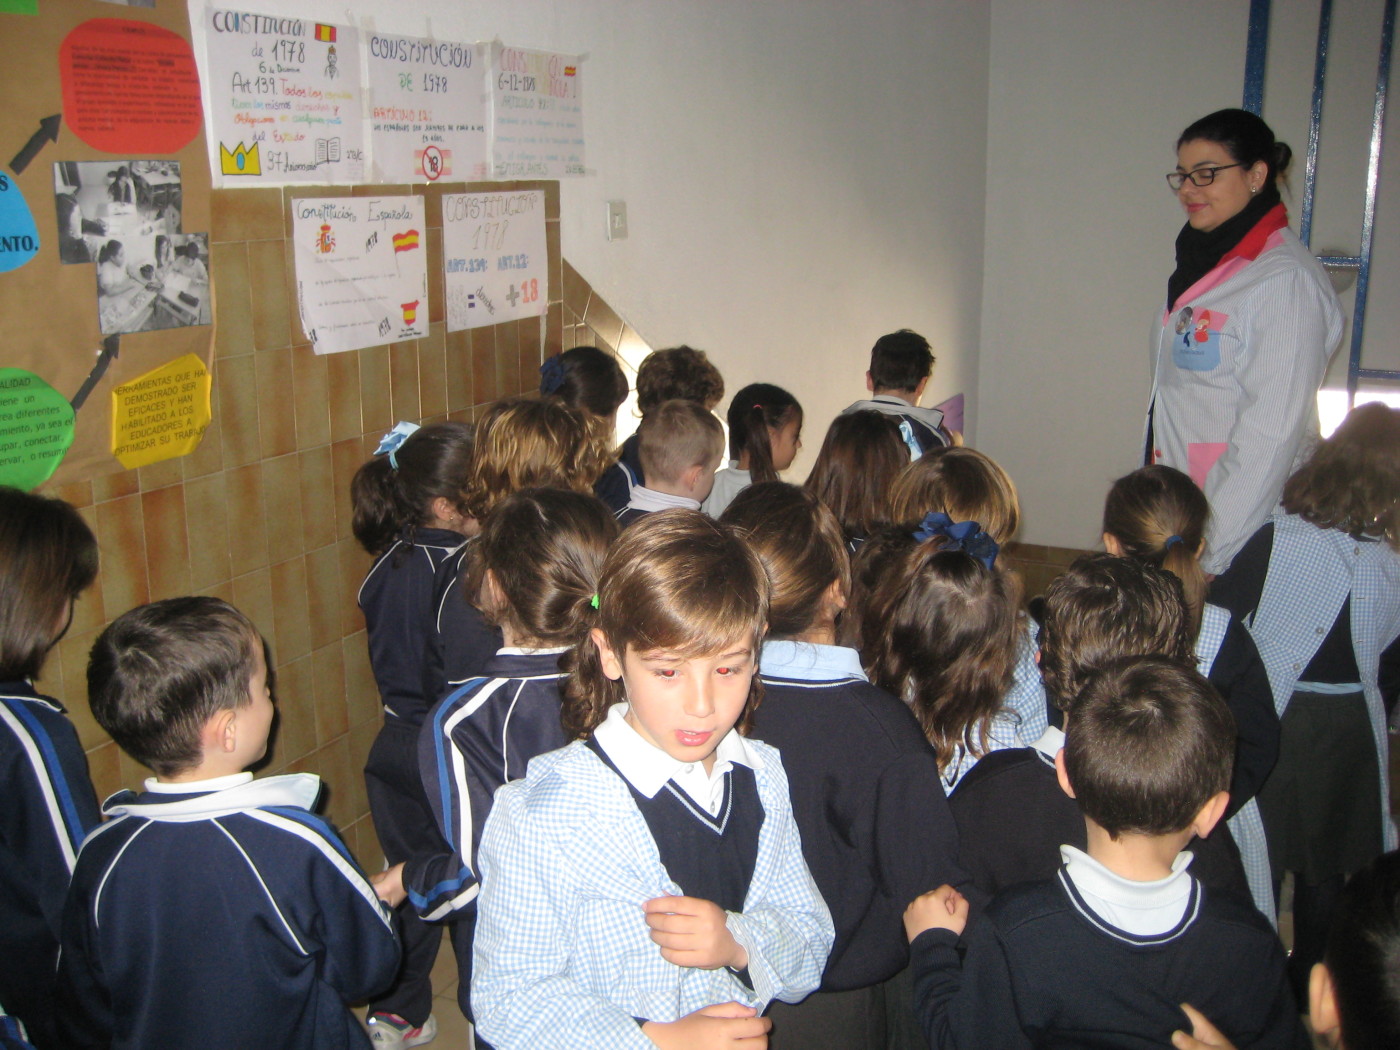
<point>1171,542</point>
<point>965,536</point>
<point>552,374</point>
<point>391,441</point>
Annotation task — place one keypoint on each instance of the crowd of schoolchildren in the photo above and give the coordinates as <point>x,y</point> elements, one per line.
<point>682,755</point>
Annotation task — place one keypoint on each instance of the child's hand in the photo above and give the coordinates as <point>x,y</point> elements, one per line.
<point>389,885</point>
<point>1204,1035</point>
<point>691,932</point>
<point>724,1025</point>
<point>941,909</point>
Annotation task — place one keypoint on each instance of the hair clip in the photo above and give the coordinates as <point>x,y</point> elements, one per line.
<point>552,374</point>
<point>965,536</point>
<point>1170,541</point>
<point>593,601</point>
<point>391,441</point>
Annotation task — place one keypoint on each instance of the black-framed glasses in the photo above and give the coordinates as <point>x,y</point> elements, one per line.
<point>1198,176</point>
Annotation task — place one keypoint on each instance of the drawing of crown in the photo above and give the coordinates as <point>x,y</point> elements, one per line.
<point>242,161</point>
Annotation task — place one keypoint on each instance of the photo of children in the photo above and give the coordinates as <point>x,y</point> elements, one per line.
<point>124,216</point>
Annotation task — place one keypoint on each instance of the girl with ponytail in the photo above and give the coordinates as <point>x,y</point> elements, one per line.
<point>534,572</point>
<point>765,433</point>
<point>409,510</point>
<point>1158,516</point>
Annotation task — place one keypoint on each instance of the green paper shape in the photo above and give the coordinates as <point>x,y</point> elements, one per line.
<point>19,7</point>
<point>36,429</point>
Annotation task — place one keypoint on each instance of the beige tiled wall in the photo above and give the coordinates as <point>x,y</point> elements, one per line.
<point>259,514</point>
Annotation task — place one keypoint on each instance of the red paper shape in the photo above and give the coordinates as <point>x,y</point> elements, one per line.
<point>129,87</point>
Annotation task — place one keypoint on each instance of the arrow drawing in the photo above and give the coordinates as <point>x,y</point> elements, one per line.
<point>48,132</point>
<point>105,358</point>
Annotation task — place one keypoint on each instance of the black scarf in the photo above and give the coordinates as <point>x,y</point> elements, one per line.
<point>1197,252</point>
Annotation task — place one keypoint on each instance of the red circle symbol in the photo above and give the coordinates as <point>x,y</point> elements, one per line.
<point>129,87</point>
<point>432,163</point>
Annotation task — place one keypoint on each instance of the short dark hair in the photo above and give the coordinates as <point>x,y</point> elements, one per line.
<point>1150,742</point>
<point>900,361</point>
<point>1245,136</point>
<point>160,672</point>
<point>1105,608</point>
<point>678,372</point>
<point>48,556</point>
<point>1363,946</point>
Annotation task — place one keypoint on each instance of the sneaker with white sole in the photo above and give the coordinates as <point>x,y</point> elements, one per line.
<point>392,1032</point>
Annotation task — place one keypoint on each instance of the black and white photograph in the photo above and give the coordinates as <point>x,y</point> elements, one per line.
<point>124,216</point>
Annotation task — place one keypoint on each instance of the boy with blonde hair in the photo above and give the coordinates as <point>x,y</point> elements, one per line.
<point>680,444</point>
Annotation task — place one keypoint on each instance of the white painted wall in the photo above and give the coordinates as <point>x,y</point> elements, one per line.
<point>1087,99</point>
<point>801,176</point>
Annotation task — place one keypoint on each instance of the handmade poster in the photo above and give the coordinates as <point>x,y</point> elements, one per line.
<point>493,248</point>
<point>103,141</point>
<point>36,428</point>
<point>428,120</point>
<point>536,114</point>
<point>129,87</point>
<point>362,273</point>
<point>285,100</point>
<point>161,414</point>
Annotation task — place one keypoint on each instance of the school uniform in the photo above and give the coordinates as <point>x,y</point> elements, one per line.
<point>875,826</point>
<point>1228,657</point>
<point>615,485</point>
<point>563,953</point>
<point>49,808</point>
<point>481,736</point>
<point>220,914</point>
<point>1234,393</point>
<point>1012,818</point>
<point>1026,698</point>
<point>396,598</point>
<point>1323,608</point>
<point>460,640</point>
<point>1091,959</point>
<point>729,482</point>
<point>921,428</point>
<point>644,501</point>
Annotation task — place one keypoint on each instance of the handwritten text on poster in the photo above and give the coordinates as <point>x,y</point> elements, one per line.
<point>493,247</point>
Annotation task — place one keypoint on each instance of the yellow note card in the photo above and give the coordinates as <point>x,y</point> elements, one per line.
<point>161,414</point>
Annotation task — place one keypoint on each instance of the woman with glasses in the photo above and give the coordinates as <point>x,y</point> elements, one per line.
<point>1249,325</point>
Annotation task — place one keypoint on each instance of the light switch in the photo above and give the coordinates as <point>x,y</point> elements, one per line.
<point>617,220</point>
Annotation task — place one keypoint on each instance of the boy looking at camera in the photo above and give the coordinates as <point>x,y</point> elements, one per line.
<point>212,910</point>
<point>1108,950</point>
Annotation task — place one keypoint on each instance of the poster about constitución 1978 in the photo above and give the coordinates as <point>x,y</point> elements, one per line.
<point>285,100</point>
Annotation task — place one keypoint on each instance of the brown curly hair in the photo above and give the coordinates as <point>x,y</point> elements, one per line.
<point>1352,480</point>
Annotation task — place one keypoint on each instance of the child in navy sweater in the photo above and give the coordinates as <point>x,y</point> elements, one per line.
<point>48,557</point>
<point>536,570</point>
<point>1106,952</point>
<point>876,831</point>
<point>212,910</point>
<point>520,443</point>
<point>409,511</point>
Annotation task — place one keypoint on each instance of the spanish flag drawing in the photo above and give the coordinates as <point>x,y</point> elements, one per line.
<point>406,241</point>
<point>410,312</point>
<point>325,34</point>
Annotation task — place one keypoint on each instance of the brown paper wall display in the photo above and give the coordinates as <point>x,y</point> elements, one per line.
<point>102,140</point>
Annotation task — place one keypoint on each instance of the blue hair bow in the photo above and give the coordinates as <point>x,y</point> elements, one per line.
<point>391,441</point>
<point>552,374</point>
<point>965,536</point>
